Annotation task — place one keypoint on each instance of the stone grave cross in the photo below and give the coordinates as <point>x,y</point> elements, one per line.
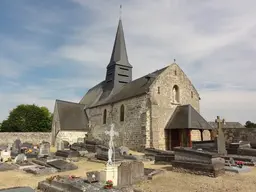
<point>111,134</point>
<point>221,138</point>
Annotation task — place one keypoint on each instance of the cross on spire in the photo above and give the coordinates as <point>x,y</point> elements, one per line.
<point>120,12</point>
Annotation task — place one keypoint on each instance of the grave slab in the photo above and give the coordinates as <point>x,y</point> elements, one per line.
<point>62,165</point>
<point>63,183</point>
<point>41,170</point>
<point>25,165</point>
<point>234,169</point>
<point>18,189</point>
<point>7,167</point>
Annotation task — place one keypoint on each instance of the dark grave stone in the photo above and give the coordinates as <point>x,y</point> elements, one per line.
<point>18,189</point>
<point>44,150</point>
<point>67,153</point>
<point>205,145</point>
<point>93,176</point>
<point>198,168</point>
<point>24,165</point>
<point>198,162</point>
<point>41,161</point>
<point>130,172</point>
<point>246,151</point>
<point>41,170</point>
<point>253,144</point>
<point>16,147</point>
<point>164,158</point>
<point>3,147</point>
<point>62,183</point>
<point>102,154</point>
<point>62,165</point>
<point>6,167</point>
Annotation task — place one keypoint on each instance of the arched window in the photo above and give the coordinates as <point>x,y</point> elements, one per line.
<point>192,95</point>
<point>175,72</point>
<point>176,94</point>
<point>122,113</point>
<point>105,116</point>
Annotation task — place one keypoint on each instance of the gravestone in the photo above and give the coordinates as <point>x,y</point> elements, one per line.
<point>5,155</point>
<point>20,158</point>
<point>60,145</point>
<point>41,170</point>
<point>44,150</point>
<point>93,176</point>
<point>124,150</point>
<point>221,143</point>
<point>62,165</point>
<point>6,167</point>
<point>80,140</point>
<point>16,146</point>
<point>66,144</point>
<point>130,172</point>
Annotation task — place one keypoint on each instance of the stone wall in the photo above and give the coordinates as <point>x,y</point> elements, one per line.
<point>237,134</point>
<point>162,103</point>
<point>133,131</point>
<point>31,137</point>
<point>69,136</point>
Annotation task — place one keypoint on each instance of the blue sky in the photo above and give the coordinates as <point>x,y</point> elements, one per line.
<point>57,49</point>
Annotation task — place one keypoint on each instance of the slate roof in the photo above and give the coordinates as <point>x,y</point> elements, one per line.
<point>228,125</point>
<point>135,88</point>
<point>119,53</point>
<point>186,117</point>
<point>72,116</point>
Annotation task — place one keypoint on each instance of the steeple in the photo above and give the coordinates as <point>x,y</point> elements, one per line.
<point>119,70</point>
<point>119,53</point>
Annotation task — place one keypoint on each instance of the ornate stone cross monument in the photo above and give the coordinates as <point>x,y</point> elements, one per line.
<point>111,149</point>
<point>221,138</point>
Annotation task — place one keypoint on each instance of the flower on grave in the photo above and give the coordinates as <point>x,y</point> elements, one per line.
<point>108,184</point>
<point>239,162</point>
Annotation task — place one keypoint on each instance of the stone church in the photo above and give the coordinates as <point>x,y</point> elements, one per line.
<point>159,110</point>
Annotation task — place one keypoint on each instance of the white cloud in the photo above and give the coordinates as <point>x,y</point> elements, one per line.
<point>212,41</point>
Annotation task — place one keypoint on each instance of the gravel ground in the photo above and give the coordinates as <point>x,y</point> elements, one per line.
<point>169,182</point>
<point>180,182</point>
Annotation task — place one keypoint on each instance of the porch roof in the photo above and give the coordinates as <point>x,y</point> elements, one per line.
<point>186,117</point>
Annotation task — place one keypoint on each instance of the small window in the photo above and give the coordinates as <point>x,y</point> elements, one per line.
<point>105,116</point>
<point>122,113</point>
<point>158,90</point>
<point>192,95</point>
<point>175,72</point>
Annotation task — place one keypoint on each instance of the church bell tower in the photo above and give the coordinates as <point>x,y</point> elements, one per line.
<point>119,70</point>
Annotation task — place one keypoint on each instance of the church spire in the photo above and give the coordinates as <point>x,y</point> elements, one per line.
<point>119,70</point>
<point>119,53</point>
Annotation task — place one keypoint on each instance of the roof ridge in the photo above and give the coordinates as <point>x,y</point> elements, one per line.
<point>58,100</point>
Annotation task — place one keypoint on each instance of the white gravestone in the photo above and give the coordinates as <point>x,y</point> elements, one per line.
<point>111,170</point>
<point>5,155</point>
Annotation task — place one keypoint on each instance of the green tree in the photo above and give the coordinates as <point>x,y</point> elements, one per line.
<point>250,124</point>
<point>28,118</point>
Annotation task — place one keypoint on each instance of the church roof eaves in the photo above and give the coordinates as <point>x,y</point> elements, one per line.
<point>186,117</point>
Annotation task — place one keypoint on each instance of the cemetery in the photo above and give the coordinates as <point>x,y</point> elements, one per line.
<point>118,168</point>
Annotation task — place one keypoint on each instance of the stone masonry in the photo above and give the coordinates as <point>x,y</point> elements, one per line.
<point>146,116</point>
<point>162,105</point>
